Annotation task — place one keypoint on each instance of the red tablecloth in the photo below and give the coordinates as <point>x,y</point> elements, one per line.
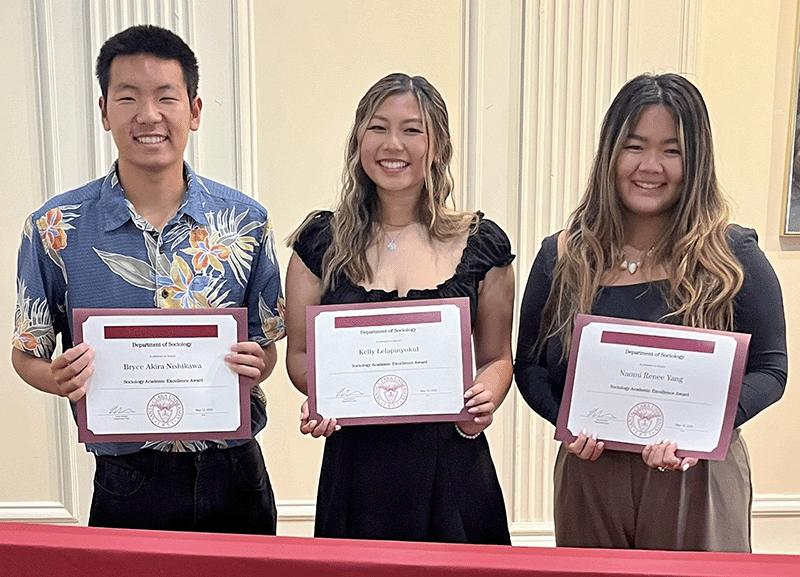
<point>66,551</point>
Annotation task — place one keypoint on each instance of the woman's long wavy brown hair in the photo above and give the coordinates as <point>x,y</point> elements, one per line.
<point>703,274</point>
<point>358,210</point>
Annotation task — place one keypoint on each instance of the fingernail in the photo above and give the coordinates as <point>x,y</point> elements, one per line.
<point>685,467</point>
<point>658,442</point>
<point>468,394</point>
<point>583,432</point>
<point>337,428</point>
<point>469,403</point>
<point>594,436</point>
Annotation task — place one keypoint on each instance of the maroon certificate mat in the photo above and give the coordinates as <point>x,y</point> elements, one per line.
<point>633,382</point>
<point>391,362</point>
<point>160,375</point>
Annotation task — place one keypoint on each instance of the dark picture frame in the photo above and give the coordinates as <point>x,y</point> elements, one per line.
<point>791,205</point>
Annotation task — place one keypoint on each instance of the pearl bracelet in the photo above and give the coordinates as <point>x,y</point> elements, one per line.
<point>463,434</point>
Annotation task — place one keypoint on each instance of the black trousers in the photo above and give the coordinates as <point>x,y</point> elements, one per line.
<point>216,490</point>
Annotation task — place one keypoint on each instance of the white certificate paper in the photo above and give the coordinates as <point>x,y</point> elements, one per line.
<point>632,383</point>
<point>403,361</point>
<point>161,375</point>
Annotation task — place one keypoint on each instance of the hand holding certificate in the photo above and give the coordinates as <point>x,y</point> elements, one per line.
<point>633,382</point>
<point>161,375</point>
<point>404,361</point>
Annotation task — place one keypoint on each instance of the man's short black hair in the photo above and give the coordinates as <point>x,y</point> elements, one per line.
<point>148,39</point>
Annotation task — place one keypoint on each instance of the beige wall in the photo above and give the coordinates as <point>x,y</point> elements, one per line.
<point>746,71</point>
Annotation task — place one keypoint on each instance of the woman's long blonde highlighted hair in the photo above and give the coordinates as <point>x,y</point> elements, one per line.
<point>703,274</point>
<point>358,211</point>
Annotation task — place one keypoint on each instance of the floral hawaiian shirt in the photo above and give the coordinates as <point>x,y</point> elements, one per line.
<point>88,248</point>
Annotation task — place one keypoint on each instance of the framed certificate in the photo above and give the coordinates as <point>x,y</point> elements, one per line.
<point>160,374</point>
<point>633,382</point>
<point>393,362</point>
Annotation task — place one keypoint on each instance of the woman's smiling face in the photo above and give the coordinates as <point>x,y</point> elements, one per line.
<point>395,149</point>
<point>649,171</point>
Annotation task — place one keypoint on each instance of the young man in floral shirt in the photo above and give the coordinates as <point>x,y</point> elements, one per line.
<point>153,234</point>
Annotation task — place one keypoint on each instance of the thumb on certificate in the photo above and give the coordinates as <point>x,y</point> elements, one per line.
<point>688,462</point>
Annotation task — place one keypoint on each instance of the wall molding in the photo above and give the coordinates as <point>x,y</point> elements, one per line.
<point>68,470</point>
<point>772,505</point>
<point>532,534</point>
<point>471,48</point>
<point>44,53</point>
<point>296,517</point>
<point>575,57</point>
<point>244,103</point>
<point>36,512</point>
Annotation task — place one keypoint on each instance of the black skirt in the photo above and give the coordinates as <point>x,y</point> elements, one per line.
<point>417,482</point>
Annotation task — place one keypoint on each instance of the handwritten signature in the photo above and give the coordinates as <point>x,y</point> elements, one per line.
<point>117,410</point>
<point>344,393</point>
<point>599,414</point>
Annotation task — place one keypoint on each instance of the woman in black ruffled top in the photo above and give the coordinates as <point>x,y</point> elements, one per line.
<point>651,241</point>
<point>393,237</point>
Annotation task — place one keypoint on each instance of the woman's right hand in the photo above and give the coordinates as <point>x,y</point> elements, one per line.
<point>585,447</point>
<point>661,455</point>
<point>310,427</point>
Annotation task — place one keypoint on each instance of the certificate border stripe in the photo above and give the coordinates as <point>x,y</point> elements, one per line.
<point>658,342</point>
<point>394,319</point>
<point>160,331</point>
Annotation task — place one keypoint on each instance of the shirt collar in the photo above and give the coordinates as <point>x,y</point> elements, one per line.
<point>114,204</point>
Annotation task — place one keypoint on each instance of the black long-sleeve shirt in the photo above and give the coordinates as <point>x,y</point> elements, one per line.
<point>758,311</point>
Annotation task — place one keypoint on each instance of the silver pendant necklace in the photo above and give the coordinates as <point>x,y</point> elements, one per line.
<point>392,244</point>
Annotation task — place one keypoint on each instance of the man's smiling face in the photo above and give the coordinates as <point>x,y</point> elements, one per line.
<point>148,112</point>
